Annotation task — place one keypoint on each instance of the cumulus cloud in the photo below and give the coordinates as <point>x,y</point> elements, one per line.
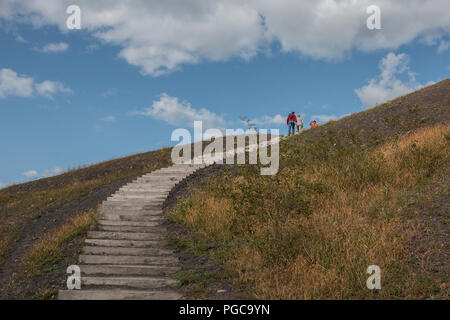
<point>2,185</point>
<point>49,88</point>
<point>55,47</point>
<point>266,120</point>
<point>47,173</point>
<point>20,39</point>
<point>324,118</point>
<point>13,84</point>
<point>387,85</point>
<point>181,113</point>
<point>53,172</point>
<point>443,46</point>
<point>30,173</point>
<point>160,36</point>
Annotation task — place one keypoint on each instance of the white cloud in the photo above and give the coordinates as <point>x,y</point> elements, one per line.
<point>2,185</point>
<point>20,39</point>
<point>330,29</point>
<point>30,173</point>
<point>47,173</point>
<point>12,84</point>
<point>160,36</point>
<point>109,119</point>
<point>324,118</point>
<point>387,85</point>
<point>49,88</point>
<point>181,113</point>
<point>53,172</point>
<point>276,120</point>
<point>55,47</point>
<point>443,46</point>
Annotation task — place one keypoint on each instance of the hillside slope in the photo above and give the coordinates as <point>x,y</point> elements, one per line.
<point>372,188</point>
<point>43,223</point>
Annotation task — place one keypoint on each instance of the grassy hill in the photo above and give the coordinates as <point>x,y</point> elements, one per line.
<point>371,188</point>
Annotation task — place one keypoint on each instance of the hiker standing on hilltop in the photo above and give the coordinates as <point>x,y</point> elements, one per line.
<point>291,122</point>
<point>313,124</point>
<point>299,123</point>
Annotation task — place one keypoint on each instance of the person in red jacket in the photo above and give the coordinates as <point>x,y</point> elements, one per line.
<point>291,121</point>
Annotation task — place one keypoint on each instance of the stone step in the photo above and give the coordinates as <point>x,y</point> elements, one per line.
<point>130,282</point>
<point>137,199</point>
<point>140,192</point>
<point>132,212</point>
<point>154,260</point>
<point>127,243</point>
<point>128,223</point>
<point>131,217</point>
<point>158,181</point>
<point>124,235</point>
<point>180,167</point>
<point>143,192</point>
<point>146,209</point>
<point>170,173</point>
<point>118,295</point>
<point>130,209</point>
<point>128,270</point>
<point>154,185</point>
<point>162,176</point>
<point>166,174</point>
<point>97,250</point>
<point>157,184</point>
<point>132,203</point>
<point>157,229</point>
<point>149,189</point>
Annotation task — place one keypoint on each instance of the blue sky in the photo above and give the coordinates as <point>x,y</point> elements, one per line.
<point>71,98</point>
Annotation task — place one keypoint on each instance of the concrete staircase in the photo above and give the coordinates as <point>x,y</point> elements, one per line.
<point>127,257</point>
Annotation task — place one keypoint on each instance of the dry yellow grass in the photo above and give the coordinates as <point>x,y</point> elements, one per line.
<point>349,213</point>
<point>49,249</point>
<point>15,210</point>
